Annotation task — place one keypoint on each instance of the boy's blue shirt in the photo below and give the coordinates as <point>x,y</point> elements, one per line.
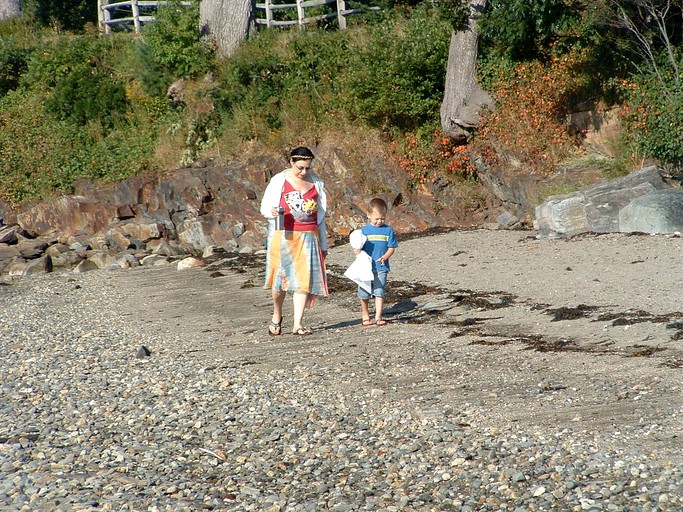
<point>379,240</point>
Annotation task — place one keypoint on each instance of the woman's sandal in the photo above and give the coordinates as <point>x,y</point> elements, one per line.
<point>381,322</point>
<point>275,329</point>
<point>367,322</point>
<point>302,331</point>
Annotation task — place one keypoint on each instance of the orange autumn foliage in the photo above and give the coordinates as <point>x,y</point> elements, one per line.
<point>427,159</point>
<point>530,118</point>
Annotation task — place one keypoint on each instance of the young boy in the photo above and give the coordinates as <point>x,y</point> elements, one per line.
<point>380,245</point>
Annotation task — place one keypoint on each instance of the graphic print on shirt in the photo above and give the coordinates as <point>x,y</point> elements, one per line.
<point>301,209</point>
<point>378,238</point>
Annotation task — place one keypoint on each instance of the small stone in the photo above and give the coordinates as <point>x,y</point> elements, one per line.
<point>85,266</point>
<point>143,352</point>
<point>539,491</point>
<point>188,263</point>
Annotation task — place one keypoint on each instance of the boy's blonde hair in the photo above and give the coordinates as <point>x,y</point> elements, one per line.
<point>379,205</point>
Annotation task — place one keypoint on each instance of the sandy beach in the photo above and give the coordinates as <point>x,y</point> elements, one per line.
<point>515,373</point>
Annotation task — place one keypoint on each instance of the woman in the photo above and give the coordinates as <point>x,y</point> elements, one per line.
<point>296,254</point>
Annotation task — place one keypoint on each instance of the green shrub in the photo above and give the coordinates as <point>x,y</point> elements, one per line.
<point>70,15</point>
<point>40,154</point>
<point>51,63</point>
<point>35,150</point>
<point>388,73</point>
<point>543,30</point>
<point>257,70</point>
<point>396,72</point>
<point>75,78</point>
<point>12,65</point>
<point>254,82</point>
<point>28,140</point>
<point>20,31</point>
<point>654,118</point>
<point>525,29</point>
<point>280,75</point>
<point>87,94</point>
<point>174,46</point>
<point>154,78</point>
<point>315,61</point>
<point>455,12</point>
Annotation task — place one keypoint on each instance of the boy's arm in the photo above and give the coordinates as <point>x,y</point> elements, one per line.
<point>387,255</point>
<point>357,251</point>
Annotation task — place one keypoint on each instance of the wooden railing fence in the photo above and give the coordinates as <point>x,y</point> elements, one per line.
<point>131,12</point>
<point>301,5</point>
<point>137,12</point>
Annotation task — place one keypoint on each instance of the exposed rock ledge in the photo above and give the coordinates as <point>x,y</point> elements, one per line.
<point>200,212</point>
<point>643,201</point>
<point>192,212</point>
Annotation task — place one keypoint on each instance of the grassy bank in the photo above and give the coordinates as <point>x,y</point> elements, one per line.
<point>76,105</point>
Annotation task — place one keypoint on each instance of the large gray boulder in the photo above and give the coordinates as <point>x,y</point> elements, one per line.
<point>660,211</point>
<point>597,208</point>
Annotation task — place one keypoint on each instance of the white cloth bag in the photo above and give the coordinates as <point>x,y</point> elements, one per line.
<point>360,270</point>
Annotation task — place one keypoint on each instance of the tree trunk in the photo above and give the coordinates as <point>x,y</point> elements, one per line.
<point>10,9</point>
<point>227,21</point>
<point>463,96</point>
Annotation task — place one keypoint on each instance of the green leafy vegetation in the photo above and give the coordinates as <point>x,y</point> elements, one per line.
<point>396,74</point>
<point>171,47</point>
<point>75,105</point>
<point>68,15</point>
<point>655,119</point>
<point>12,65</point>
<point>526,29</point>
<point>87,94</point>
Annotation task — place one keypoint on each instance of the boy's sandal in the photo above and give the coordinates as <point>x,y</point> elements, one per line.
<point>275,329</point>
<point>367,322</point>
<point>381,322</point>
<point>302,331</point>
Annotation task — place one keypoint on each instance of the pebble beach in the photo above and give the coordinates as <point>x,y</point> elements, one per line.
<point>225,418</point>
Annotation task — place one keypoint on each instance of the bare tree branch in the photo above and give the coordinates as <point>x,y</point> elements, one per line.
<point>647,21</point>
<point>664,35</point>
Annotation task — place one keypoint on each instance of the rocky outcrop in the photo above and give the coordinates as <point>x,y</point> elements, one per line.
<point>515,192</point>
<point>168,217</point>
<point>641,201</point>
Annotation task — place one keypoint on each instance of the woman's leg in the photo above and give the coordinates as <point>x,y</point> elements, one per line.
<point>278,302</point>
<point>300,301</point>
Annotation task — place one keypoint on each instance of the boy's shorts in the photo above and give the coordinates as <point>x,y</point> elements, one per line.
<point>379,284</point>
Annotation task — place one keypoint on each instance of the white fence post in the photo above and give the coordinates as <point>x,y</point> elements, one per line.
<point>341,19</point>
<point>300,13</point>
<point>269,14</point>
<point>136,15</point>
<point>103,16</point>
